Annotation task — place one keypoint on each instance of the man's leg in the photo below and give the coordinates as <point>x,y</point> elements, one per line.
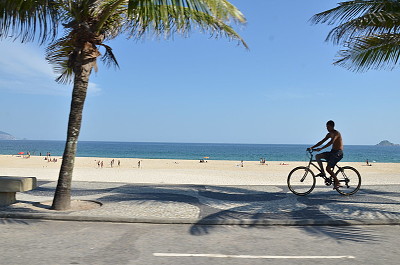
<point>318,157</point>
<point>334,157</point>
<point>329,169</point>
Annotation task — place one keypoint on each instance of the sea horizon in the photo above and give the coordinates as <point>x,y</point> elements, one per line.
<point>196,151</point>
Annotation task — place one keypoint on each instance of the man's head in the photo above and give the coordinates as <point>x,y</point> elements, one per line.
<point>330,125</point>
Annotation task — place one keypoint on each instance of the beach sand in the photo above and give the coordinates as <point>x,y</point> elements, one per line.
<point>170,171</point>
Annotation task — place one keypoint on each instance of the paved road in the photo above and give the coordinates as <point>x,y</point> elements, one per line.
<point>59,242</point>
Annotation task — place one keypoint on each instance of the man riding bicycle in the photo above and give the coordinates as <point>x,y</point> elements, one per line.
<point>335,155</point>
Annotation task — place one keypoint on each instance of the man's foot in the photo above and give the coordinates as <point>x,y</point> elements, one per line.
<point>337,185</point>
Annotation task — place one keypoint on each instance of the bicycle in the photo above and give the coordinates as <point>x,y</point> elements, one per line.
<point>301,180</point>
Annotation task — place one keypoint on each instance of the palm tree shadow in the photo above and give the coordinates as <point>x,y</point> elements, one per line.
<point>7,221</point>
<point>344,233</point>
<point>310,209</point>
<point>219,204</point>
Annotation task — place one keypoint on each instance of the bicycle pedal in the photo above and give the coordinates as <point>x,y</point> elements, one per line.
<point>328,181</point>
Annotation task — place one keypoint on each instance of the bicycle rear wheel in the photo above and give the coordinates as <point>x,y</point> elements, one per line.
<point>349,179</point>
<point>301,181</point>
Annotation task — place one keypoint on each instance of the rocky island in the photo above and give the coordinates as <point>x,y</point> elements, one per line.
<point>387,143</point>
<point>6,136</point>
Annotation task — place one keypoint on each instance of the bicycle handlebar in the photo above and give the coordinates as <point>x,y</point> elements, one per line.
<point>311,150</point>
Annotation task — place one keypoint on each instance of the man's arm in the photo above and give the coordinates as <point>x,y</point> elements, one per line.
<point>321,142</point>
<point>325,146</point>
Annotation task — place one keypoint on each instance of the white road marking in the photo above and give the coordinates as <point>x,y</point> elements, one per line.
<point>248,256</point>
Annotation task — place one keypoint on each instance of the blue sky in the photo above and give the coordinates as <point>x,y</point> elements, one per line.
<point>199,89</point>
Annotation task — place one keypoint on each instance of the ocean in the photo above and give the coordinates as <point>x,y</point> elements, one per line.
<point>196,151</point>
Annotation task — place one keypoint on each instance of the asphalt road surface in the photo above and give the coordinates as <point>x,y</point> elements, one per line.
<point>57,242</point>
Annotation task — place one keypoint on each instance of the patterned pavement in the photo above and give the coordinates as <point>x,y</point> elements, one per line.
<point>203,204</point>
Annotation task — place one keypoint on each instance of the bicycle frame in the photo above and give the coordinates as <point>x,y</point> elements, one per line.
<point>328,180</point>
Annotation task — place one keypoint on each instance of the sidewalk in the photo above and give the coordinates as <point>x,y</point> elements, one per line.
<point>205,204</point>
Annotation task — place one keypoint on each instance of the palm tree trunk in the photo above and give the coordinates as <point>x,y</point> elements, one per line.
<point>62,196</point>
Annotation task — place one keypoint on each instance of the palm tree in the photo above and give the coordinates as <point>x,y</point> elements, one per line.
<point>87,25</point>
<point>368,30</point>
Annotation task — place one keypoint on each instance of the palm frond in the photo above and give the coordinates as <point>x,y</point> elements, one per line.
<point>108,58</point>
<point>165,20</point>
<point>60,55</point>
<point>221,9</point>
<point>371,52</point>
<point>110,16</point>
<point>369,24</point>
<point>166,17</point>
<point>28,20</point>
<point>369,30</point>
<point>349,10</point>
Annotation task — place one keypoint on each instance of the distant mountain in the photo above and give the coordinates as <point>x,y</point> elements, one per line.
<point>387,143</point>
<point>6,136</point>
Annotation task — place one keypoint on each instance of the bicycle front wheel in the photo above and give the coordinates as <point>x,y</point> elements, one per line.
<point>301,181</point>
<point>349,179</point>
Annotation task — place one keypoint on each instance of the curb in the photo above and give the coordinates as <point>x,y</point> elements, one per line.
<point>195,221</point>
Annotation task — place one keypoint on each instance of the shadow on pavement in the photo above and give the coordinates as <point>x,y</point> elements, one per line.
<point>344,233</point>
<point>254,204</point>
<point>312,208</point>
<point>6,221</point>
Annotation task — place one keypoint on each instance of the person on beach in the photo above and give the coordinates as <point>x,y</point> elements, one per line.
<point>332,157</point>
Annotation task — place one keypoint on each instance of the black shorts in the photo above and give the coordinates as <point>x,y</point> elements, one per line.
<point>333,157</point>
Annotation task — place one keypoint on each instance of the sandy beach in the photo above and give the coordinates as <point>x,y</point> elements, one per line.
<point>168,171</point>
